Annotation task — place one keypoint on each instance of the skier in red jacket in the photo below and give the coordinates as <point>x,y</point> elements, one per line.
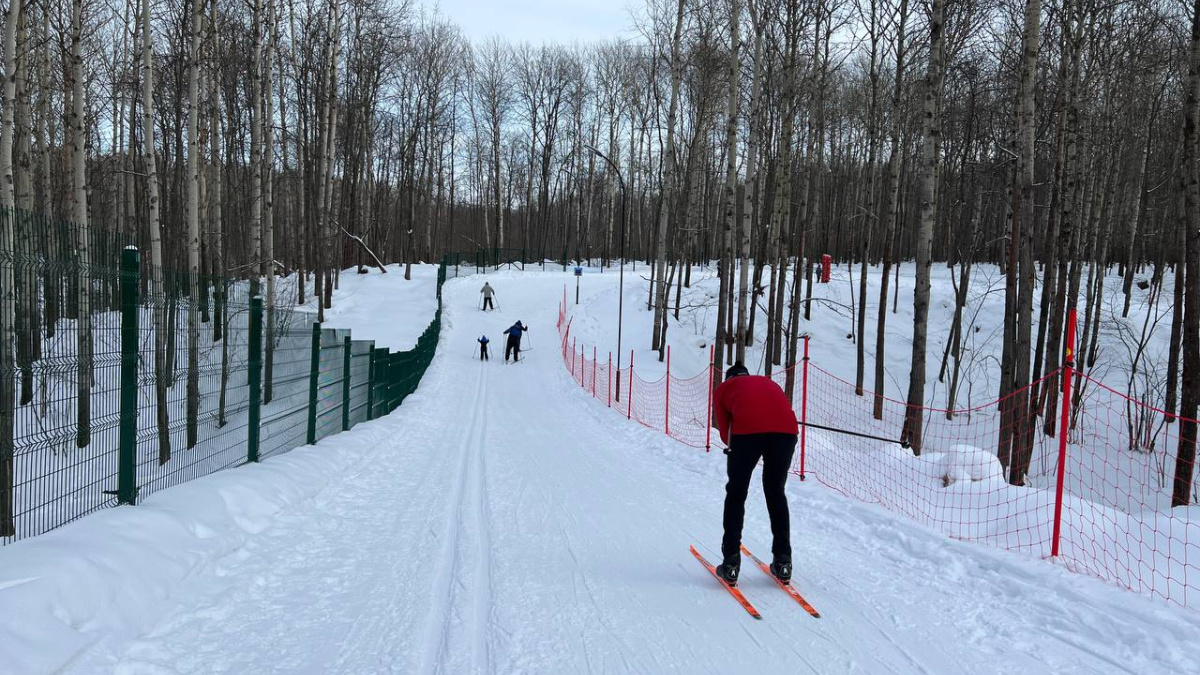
<point>755,420</point>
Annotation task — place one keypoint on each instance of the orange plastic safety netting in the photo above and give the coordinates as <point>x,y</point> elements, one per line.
<point>1097,498</point>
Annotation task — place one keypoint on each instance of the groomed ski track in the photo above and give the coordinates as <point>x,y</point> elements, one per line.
<point>511,524</point>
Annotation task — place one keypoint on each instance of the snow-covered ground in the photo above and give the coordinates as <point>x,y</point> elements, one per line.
<point>501,521</point>
<point>382,307</point>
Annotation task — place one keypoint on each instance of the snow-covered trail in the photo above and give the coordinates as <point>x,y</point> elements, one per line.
<point>512,525</point>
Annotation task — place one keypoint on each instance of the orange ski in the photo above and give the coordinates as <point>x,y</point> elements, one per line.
<point>737,595</point>
<point>787,587</point>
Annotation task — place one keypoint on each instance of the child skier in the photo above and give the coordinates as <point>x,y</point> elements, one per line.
<point>756,420</point>
<point>483,347</point>
<point>513,345</point>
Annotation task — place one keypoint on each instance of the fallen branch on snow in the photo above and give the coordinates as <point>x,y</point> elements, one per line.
<point>363,244</point>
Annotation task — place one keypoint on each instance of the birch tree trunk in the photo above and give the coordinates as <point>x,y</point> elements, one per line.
<point>931,132</point>
<point>1022,238</point>
<point>869,208</point>
<point>667,202</point>
<point>268,199</point>
<point>193,227</point>
<point>256,133</point>
<point>215,224</point>
<point>892,216</point>
<point>157,289</point>
<point>728,262</point>
<point>750,191</point>
<point>7,296</point>
<point>26,283</point>
<point>1185,459</point>
<point>83,332</point>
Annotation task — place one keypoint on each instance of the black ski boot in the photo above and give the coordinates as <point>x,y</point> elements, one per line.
<point>782,569</point>
<point>729,568</point>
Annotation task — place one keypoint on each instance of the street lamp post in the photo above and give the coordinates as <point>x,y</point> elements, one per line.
<point>621,275</point>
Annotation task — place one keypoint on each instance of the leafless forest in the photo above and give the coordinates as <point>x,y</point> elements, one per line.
<point>1054,138</point>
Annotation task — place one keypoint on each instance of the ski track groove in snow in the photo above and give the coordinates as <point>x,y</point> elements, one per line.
<point>482,617</point>
<point>436,652</point>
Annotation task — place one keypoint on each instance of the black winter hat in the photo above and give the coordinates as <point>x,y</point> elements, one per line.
<point>735,370</point>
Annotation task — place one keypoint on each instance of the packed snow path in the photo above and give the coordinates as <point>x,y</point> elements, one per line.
<point>509,524</point>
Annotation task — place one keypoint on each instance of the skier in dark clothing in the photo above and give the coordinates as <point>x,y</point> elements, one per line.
<point>513,345</point>
<point>755,420</point>
<point>483,347</point>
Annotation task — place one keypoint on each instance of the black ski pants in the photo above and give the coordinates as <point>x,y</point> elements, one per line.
<point>483,352</point>
<point>513,346</point>
<point>745,450</point>
<point>487,304</point>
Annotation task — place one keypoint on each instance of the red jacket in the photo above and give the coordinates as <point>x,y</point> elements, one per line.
<point>752,404</point>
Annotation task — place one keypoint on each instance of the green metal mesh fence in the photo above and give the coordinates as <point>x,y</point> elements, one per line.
<point>59,363</point>
<point>118,379</point>
<point>482,261</point>
<point>193,393</point>
<point>285,411</point>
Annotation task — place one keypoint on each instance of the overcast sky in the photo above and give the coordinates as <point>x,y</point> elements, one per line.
<point>537,21</point>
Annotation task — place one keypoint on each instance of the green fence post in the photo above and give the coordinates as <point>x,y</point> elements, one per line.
<point>127,434</point>
<point>386,393</point>
<point>346,384</point>
<point>383,361</point>
<point>371,383</point>
<point>254,379</point>
<point>401,362</point>
<point>314,378</point>
<point>392,379</point>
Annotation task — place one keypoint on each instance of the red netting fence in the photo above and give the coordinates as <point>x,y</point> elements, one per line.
<point>1097,498</point>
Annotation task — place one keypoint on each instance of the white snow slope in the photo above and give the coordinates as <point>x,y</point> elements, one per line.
<point>502,522</point>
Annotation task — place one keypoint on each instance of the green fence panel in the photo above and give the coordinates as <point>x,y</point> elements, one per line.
<point>360,382</point>
<point>125,379</point>
<point>284,417</point>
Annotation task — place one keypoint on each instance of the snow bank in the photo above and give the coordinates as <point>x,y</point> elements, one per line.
<point>385,308</point>
<point>111,572</point>
<point>969,463</point>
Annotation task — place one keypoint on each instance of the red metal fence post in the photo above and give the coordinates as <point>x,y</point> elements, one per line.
<point>1064,429</point>
<point>804,409</point>
<point>574,342</point>
<point>629,410</point>
<point>708,412</point>
<point>608,382</point>
<point>593,371</point>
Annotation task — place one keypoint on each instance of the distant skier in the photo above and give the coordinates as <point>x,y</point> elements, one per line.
<point>755,420</point>
<point>488,294</point>
<point>513,345</point>
<point>483,347</point>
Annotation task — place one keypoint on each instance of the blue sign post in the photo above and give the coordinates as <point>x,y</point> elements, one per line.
<point>578,273</point>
